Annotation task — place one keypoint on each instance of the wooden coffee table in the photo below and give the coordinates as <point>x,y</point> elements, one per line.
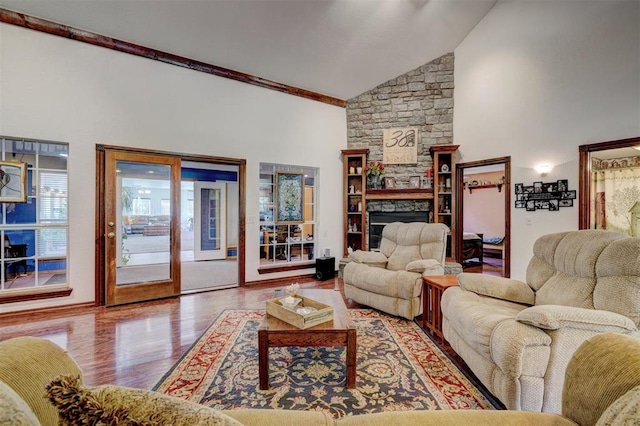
<point>339,332</point>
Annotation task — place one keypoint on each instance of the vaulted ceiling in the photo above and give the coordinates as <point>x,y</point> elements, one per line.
<point>339,48</point>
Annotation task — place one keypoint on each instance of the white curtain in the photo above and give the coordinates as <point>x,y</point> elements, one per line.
<point>614,193</point>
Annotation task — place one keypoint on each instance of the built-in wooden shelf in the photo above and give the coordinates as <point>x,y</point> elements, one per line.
<point>400,194</point>
<point>492,185</point>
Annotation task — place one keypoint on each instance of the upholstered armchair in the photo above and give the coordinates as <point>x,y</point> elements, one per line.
<point>391,280</point>
<point>518,337</point>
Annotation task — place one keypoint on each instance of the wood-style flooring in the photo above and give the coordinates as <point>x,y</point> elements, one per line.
<point>134,345</point>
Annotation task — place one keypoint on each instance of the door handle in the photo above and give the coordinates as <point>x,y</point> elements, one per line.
<point>111,235</point>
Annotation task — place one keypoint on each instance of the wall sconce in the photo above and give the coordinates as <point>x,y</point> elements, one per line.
<point>543,169</point>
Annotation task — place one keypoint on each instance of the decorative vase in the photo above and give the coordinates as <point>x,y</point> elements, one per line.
<point>375,182</point>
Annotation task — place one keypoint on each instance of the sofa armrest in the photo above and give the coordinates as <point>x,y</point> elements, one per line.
<point>371,258</point>
<point>554,317</point>
<point>28,365</point>
<point>497,287</point>
<point>425,267</point>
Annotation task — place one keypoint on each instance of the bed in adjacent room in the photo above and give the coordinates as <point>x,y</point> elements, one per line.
<point>493,247</point>
<point>472,249</point>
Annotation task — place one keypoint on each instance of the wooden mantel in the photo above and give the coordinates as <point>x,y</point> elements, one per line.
<point>399,194</point>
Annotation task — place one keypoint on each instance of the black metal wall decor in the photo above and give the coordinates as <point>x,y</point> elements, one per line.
<point>544,195</point>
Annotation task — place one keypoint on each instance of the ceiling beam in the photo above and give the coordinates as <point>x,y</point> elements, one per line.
<point>42,25</point>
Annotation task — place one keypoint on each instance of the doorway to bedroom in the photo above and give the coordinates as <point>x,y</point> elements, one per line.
<point>483,216</point>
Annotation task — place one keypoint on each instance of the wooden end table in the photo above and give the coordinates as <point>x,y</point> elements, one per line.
<point>339,332</point>
<point>432,289</point>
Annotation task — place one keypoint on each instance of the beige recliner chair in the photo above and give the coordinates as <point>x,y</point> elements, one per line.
<point>391,280</point>
<point>518,337</point>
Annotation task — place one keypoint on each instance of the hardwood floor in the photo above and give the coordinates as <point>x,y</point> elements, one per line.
<point>134,345</point>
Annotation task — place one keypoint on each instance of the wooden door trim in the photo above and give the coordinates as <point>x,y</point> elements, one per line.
<point>100,219</point>
<point>507,206</point>
<point>99,260</point>
<point>135,292</point>
<point>584,184</point>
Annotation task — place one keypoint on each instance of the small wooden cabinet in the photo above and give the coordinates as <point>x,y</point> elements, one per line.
<point>354,202</point>
<point>444,181</point>
<point>433,287</point>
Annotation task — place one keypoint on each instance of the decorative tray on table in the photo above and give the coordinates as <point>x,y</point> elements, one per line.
<point>299,311</point>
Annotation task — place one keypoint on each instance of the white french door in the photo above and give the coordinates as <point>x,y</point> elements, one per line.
<point>210,221</point>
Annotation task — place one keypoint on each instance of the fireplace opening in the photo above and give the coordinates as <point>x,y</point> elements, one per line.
<point>378,220</point>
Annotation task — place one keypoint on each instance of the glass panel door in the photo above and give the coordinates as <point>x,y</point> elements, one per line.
<point>210,221</point>
<point>142,214</point>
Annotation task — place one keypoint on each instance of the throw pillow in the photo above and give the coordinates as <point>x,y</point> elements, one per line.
<point>624,411</point>
<point>118,405</point>
<point>13,410</point>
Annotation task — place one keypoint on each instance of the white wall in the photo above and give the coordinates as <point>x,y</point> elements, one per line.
<point>57,89</point>
<point>536,79</point>
<point>484,207</point>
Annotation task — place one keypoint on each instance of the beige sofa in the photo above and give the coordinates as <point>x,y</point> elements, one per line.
<point>603,384</point>
<point>391,280</point>
<point>518,337</point>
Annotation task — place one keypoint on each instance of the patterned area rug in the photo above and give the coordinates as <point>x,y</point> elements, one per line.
<point>398,368</point>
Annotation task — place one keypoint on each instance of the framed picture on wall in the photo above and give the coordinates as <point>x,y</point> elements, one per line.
<point>13,182</point>
<point>414,182</point>
<point>289,197</point>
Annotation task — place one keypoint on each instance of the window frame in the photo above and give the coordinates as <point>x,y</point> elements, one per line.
<point>50,207</point>
<point>286,246</point>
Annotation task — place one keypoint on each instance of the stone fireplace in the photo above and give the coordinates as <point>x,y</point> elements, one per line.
<point>380,213</point>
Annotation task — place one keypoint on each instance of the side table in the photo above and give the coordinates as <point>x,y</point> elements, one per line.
<point>432,288</point>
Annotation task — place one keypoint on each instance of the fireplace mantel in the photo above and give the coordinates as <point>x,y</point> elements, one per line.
<point>399,194</point>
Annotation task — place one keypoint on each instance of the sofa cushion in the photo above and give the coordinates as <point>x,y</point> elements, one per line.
<point>618,271</point>
<point>269,417</point>
<point>79,404</point>
<point>425,267</point>
<point>398,284</point>
<point>402,256</point>
<point>455,417</point>
<point>563,269</point>
<point>13,410</point>
<point>498,287</point>
<point>475,317</point>
<point>404,242</point>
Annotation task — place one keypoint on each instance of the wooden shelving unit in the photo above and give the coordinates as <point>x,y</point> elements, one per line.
<point>444,181</point>
<point>354,203</point>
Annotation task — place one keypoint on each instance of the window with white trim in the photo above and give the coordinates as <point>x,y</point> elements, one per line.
<point>35,233</point>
